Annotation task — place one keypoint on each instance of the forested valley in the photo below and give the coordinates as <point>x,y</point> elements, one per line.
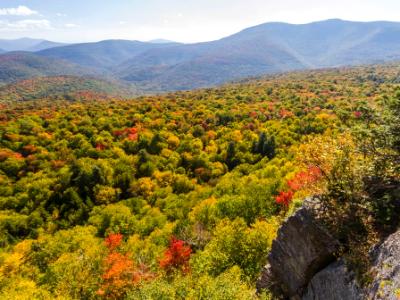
<point>180,195</point>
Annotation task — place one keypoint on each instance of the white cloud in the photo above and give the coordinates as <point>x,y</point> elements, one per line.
<point>25,25</point>
<point>71,25</point>
<point>60,15</point>
<point>17,11</point>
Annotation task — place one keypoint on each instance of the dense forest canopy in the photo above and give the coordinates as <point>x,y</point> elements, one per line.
<point>179,196</point>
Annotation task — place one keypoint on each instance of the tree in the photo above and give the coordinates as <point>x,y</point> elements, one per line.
<point>231,160</point>
<point>265,146</point>
<point>176,257</point>
<point>120,273</point>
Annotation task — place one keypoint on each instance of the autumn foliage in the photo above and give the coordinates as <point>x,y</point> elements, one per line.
<point>221,167</point>
<point>304,178</point>
<point>113,241</point>
<point>130,133</point>
<point>120,273</point>
<point>176,257</point>
<point>284,198</point>
<point>298,182</point>
<point>100,147</point>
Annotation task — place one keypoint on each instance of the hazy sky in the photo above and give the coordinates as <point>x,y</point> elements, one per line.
<point>179,20</point>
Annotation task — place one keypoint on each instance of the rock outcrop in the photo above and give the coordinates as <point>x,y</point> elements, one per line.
<point>301,250</point>
<point>267,281</point>
<point>386,270</point>
<point>335,282</point>
<point>302,264</point>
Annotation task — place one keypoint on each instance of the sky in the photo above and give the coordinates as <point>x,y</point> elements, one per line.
<point>178,20</point>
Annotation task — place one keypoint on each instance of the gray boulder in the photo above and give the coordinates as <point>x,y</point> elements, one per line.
<point>302,248</point>
<point>335,282</point>
<point>302,263</point>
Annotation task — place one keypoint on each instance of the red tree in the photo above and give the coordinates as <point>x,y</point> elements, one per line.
<point>299,181</point>
<point>100,147</point>
<point>176,257</point>
<point>131,134</point>
<point>304,178</point>
<point>113,241</point>
<point>284,198</point>
<point>120,272</point>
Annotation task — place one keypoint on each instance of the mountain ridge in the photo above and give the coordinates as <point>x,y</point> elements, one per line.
<point>102,55</point>
<point>27,44</point>
<point>267,48</point>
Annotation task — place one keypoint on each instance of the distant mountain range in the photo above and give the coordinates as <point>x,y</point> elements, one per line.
<point>102,55</point>
<point>27,44</point>
<point>263,49</point>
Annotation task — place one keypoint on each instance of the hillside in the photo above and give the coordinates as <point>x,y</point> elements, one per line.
<point>332,42</point>
<point>263,49</point>
<point>180,196</point>
<point>101,55</point>
<point>64,87</point>
<point>199,65</point>
<point>16,66</point>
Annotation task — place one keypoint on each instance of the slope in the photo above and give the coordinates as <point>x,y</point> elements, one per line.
<point>64,87</point>
<point>267,48</point>
<point>101,55</point>
<point>16,66</point>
